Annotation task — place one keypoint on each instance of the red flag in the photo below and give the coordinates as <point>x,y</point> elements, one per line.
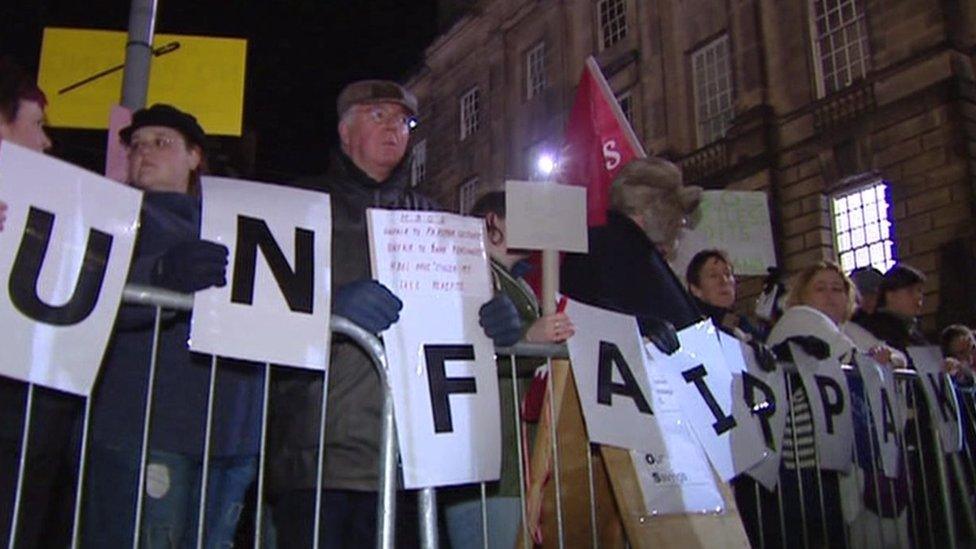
<point>598,142</point>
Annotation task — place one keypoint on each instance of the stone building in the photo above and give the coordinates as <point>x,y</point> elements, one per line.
<point>857,117</point>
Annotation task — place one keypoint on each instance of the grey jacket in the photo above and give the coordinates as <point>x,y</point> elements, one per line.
<point>352,425</point>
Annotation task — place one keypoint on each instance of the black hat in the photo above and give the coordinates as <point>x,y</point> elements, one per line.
<point>167,116</point>
<point>364,92</point>
<point>900,276</point>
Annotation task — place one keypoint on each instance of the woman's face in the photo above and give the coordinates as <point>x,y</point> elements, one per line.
<point>905,301</point>
<point>963,349</point>
<point>716,283</point>
<point>161,160</point>
<point>827,293</point>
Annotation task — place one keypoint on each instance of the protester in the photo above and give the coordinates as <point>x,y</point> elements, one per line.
<point>167,154</point>
<point>462,509</point>
<point>958,343</point>
<point>626,268</point>
<point>867,280</point>
<point>369,171</point>
<point>713,289</point>
<point>51,471</point>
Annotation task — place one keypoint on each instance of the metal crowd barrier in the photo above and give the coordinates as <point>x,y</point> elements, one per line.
<point>939,507</point>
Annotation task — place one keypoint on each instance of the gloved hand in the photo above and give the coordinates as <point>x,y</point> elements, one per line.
<point>764,355</point>
<point>501,321</point>
<point>191,266</point>
<point>367,303</point>
<point>813,346</point>
<point>661,333</point>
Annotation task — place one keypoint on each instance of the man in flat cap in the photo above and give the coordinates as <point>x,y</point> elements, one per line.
<point>368,171</point>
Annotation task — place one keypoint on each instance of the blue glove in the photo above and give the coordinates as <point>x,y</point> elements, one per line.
<point>367,303</point>
<point>501,321</point>
<point>191,266</point>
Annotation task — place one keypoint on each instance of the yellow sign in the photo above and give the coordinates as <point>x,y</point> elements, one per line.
<point>203,76</point>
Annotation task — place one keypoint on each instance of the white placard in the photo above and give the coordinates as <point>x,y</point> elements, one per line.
<point>441,364</point>
<point>703,382</point>
<point>545,216</point>
<point>762,395</point>
<point>887,413</point>
<point>611,379</point>
<point>275,306</point>
<point>734,221</point>
<point>830,404</point>
<point>939,394</point>
<point>65,251</point>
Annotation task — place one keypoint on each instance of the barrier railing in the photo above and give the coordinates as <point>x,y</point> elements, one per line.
<point>931,500</point>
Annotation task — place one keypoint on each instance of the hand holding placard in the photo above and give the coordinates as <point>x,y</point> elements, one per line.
<point>367,303</point>
<point>192,266</point>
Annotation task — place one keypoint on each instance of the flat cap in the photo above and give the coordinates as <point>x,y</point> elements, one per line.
<point>167,116</point>
<point>365,92</point>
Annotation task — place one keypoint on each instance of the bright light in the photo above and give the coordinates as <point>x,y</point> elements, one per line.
<point>545,164</point>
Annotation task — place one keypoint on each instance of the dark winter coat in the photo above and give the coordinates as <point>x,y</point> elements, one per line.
<point>352,425</point>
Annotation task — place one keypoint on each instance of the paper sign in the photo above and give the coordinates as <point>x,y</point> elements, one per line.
<point>762,395</point>
<point>545,216</point>
<point>275,306</point>
<point>65,251</point>
<point>608,366</point>
<point>886,412</point>
<point>703,382</point>
<point>830,403</point>
<point>441,364</point>
<point>116,156</point>
<point>203,76</point>
<point>734,221</point>
<point>939,394</point>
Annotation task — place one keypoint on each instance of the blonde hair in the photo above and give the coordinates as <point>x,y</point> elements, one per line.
<point>801,282</point>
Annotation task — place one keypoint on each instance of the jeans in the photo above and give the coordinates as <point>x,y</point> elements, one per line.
<point>464,522</point>
<point>171,499</point>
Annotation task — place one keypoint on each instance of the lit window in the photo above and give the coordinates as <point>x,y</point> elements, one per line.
<point>467,193</point>
<point>469,112</point>
<point>536,78</point>
<point>713,90</point>
<point>840,43</point>
<point>418,170</point>
<point>862,227</point>
<point>626,102</point>
<point>613,22</point>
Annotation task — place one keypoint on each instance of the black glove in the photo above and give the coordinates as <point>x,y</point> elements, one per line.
<point>764,355</point>
<point>191,266</point>
<point>501,321</point>
<point>813,346</point>
<point>367,303</point>
<point>661,333</point>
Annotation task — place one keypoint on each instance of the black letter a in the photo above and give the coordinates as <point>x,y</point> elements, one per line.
<point>27,269</point>
<point>296,286</point>
<point>605,386</point>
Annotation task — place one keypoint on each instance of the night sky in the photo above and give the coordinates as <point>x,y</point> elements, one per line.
<point>300,53</point>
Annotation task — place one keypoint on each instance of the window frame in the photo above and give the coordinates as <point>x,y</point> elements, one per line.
<point>859,25</point>
<point>470,112</point>
<point>536,69</point>
<point>705,131</point>
<point>418,163</point>
<point>606,38</point>
<point>847,217</point>
<point>467,194</point>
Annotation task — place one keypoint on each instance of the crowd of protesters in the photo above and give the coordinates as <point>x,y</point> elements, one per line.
<point>826,312</point>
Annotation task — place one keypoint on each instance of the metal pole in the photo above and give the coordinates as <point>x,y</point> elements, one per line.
<point>82,465</point>
<point>427,504</point>
<point>205,475</point>
<point>22,467</point>
<point>144,449</point>
<point>259,506</point>
<point>138,53</point>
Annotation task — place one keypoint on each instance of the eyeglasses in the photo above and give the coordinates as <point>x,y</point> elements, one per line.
<point>152,144</point>
<point>381,116</point>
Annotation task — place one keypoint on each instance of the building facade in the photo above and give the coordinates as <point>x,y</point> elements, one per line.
<point>856,117</point>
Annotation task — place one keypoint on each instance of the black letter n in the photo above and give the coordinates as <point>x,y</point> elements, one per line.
<point>296,285</point>
<point>27,269</point>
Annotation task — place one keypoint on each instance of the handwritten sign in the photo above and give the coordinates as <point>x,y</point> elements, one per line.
<point>442,365</point>
<point>734,221</point>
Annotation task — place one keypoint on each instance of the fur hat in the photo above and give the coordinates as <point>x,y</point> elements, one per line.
<point>657,173</point>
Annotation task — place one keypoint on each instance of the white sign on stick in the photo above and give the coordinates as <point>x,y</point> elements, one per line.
<point>276,304</point>
<point>545,216</point>
<point>830,403</point>
<point>699,375</point>
<point>734,221</point>
<point>441,364</point>
<point>608,366</point>
<point>761,394</point>
<point>65,251</point>
<point>940,395</point>
<point>886,411</point>
<point>677,477</point>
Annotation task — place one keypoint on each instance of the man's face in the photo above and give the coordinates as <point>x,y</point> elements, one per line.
<point>664,217</point>
<point>375,137</point>
<point>27,129</point>
<point>161,160</point>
